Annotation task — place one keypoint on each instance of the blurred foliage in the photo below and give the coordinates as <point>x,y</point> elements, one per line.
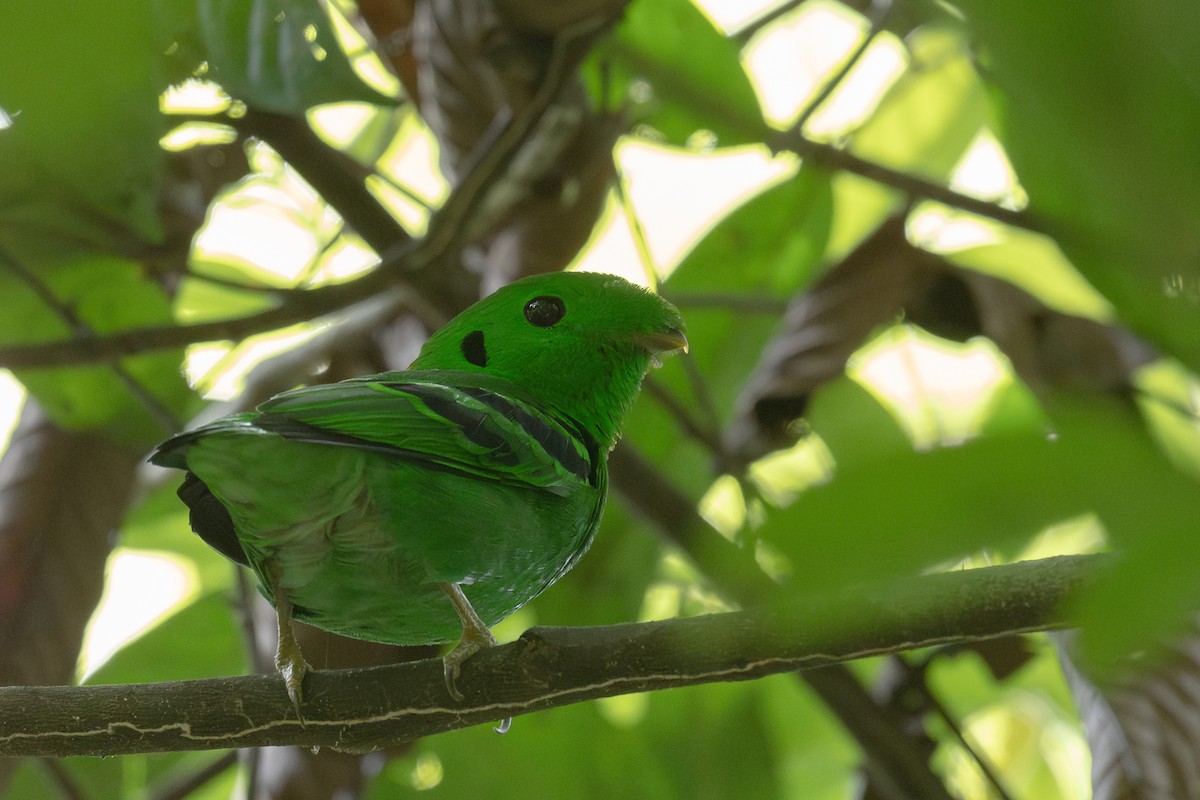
<point>1095,105</point>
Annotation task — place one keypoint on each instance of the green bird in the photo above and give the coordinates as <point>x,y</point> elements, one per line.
<point>412,507</point>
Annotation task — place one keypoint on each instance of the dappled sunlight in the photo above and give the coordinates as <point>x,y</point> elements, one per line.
<point>256,238</point>
<point>12,397</point>
<point>197,134</point>
<point>984,171</point>
<point>780,475</point>
<point>941,229</point>
<point>218,370</point>
<point>1033,745</point>
<point>732,15</point>
<point>806,46</point>
<point>776,479</point>
<point>341,124</point>
<point>409,182</point>
<point>194,96</point>
<point>678,194</point>
<point>1169,397</point>
<point>613,248</point>
<point>141,589</point>
<point>1083,534</point>
<point>427,771</point>
<point>940,391</point>
<point>724,506</point>
<point>1031,261</point>
<point>363,59</point>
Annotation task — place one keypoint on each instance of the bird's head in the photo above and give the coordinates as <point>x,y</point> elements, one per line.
<point>577,342</point>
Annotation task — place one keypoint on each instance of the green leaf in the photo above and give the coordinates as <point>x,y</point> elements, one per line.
<point>202,640</point>
<point>1036,264</point>
<point>694,71</point>
<point>81,158</point>
<point>643,754</point>
<point>909,510</point>
<point>105,294</point>
<point>1098,109</point>
<point>929,117</point>
<point>772,242</point>
<point>891,511</point>
<point>278,55</point>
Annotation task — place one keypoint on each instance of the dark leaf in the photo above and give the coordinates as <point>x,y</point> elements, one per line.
<point>479,75</point>
<point>61,498</point>
<point>822,327</point>
<point>1143,727</point>
<point>278,55</point>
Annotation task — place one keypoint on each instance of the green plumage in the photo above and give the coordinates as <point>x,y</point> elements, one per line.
<point>362,504</point>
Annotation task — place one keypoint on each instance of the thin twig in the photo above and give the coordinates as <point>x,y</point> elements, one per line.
<point>67,785</point>
<point>400,256</point>
<point>823,154</point>
<point>640,242</point>
<point>977,754</point>
<point>682,415</point>
<point>408,194</point>
<point>880,9</point>
<point>750,30</point>
<point>704,398</point>
<point>159,412</point>
<point>830,156</point>
<point>183,786</point>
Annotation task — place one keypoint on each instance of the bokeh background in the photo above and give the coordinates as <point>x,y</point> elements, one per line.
<point>940,266</point>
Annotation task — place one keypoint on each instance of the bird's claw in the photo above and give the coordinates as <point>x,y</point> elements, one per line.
<point>473,640</point>
<point>292,667</point>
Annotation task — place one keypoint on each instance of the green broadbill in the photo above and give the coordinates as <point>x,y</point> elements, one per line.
<point>413,507</point>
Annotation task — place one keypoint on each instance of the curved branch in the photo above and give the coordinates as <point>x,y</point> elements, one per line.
<point>366,709</point>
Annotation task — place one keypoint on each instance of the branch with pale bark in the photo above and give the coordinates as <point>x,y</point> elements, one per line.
<point>366,709</point>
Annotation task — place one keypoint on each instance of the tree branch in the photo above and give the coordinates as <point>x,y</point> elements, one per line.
<point>366,709</point>
<point>400,257</point>
<point>828,155</point>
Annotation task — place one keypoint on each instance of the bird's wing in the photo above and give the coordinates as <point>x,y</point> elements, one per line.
<point>416,417</point>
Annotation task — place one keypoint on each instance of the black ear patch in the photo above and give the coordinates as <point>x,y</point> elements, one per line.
<point>474,349</point>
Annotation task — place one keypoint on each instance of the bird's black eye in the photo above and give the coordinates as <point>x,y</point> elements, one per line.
<point>545,311</point>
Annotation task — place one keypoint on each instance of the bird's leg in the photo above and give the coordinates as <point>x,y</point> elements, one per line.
<point>475,637</point>
<point>288,658</point>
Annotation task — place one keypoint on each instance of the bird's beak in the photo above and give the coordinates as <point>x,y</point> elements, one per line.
<point>663,342</point>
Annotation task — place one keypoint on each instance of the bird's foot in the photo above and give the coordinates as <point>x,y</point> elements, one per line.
<point>292,667</point>
<point>473,640</point>
<point>288,658</point>
<point>476,636</point>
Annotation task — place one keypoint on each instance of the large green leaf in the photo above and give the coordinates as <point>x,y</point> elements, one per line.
<point>1098,108</point>
<point>932,113</point>
<point>275,55</point>
<point>105,294</point>
<point>767,248</point>
<point>640,751</point>
<point>891,511</point>
<point>80,159</point>
<point>81,180</point>
<point>694,72</point>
